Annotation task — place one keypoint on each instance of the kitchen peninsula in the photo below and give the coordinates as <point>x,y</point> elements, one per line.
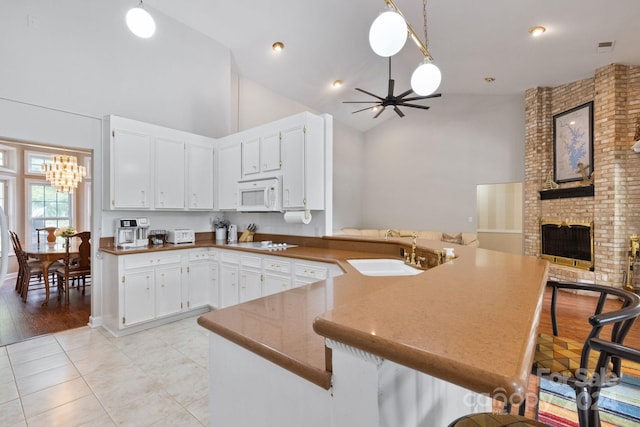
<point>388,351</point>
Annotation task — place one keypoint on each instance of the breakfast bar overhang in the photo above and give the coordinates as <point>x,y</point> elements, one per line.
<point>387,351</point>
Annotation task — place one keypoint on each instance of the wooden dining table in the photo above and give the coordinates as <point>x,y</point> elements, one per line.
<point>48,254</point>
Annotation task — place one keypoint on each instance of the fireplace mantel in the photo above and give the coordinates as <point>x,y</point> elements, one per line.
<point>565,193</point>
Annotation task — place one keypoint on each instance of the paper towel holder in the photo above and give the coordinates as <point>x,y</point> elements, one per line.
<point>297,217</point>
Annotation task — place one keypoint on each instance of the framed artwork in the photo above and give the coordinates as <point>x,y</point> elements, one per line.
<point>573,144</point>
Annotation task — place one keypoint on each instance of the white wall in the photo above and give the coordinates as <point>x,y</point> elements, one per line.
<point>421,171</point>
<point>259,105</point>
<point>78,55</point>
<point>348,173</point>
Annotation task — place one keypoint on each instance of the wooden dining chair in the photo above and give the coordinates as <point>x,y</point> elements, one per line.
<point>16,250</point>
<point>27,268</point>
<point>51,237</point>
<point>75,267</point>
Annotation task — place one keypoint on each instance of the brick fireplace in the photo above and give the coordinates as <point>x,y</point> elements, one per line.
<point>614,207</point>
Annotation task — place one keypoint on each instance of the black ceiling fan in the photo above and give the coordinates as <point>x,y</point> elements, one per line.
<point>391,100</point>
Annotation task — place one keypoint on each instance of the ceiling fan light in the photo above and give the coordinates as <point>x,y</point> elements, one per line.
<point>388,33</point>
<point>140,22</point>
<point>426,78</point>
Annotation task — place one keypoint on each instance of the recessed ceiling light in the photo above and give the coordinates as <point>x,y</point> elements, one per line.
<point>336,83</point>
<point>537,30</point>
<point>277,46</point>
<point>489,79</point>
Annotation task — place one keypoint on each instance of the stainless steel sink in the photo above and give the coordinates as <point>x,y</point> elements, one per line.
<point>383,267</point>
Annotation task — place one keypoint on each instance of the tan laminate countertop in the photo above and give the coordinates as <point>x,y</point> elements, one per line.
<point>471,321</point>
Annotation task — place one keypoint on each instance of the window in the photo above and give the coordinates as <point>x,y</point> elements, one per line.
<point>47,208</point>
<point>7,199</point>
<point>7,158</point>
<point>33,162</point>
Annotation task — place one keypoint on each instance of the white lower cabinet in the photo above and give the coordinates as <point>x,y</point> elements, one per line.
<point>229,284</point>
<point>250,284</point>
<point>229,276</point>
<point>147,289</point>
<point>250,277</point>
<point>277,275</point>
<point>247,277</point>
<point>168,290</point>
<point>151,286</point>
<point>202,279</point>
<point>274,283</point>
<point>138,297</point>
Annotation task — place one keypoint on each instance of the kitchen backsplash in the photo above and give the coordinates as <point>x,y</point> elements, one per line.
<point>272,223</point>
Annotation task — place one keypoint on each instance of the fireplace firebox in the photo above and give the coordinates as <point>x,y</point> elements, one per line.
<point>568,244</point>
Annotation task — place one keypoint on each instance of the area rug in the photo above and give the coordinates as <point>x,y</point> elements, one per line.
<point>619,405</point>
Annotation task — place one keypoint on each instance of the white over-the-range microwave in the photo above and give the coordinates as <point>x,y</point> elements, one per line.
<point>260,195</point>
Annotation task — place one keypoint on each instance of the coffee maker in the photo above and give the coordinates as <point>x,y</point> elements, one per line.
<point>132,232</point>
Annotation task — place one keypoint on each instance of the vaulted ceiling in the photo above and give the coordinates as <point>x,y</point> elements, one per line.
<point>469,40</point>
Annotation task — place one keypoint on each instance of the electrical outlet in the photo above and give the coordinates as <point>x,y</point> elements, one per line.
<point>470,219</point>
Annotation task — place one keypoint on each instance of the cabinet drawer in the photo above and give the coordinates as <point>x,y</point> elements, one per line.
<point>202,255</point>
<point>311,271</point>
<point>250,261</point>
<point>278,265</point>
<point>148,260</point>
<point>230,257</point>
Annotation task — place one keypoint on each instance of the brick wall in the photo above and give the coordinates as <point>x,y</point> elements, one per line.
<point>615,208</point>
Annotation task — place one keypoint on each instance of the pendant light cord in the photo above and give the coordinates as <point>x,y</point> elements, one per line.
<point>424,15</point>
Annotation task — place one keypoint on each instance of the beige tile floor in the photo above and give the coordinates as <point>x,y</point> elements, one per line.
<point>86,377</point>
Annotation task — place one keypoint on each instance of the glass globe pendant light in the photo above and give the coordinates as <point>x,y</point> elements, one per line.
<point>140,22</point>
<point>388,33</point>
<point>426,79</point>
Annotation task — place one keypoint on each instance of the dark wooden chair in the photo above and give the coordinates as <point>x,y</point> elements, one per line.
<point>579,364</point>
<point>50,236</point>
<point>51,240</point>
<point>77,267</point>
<point>16,249</point>
<point>27,268</point>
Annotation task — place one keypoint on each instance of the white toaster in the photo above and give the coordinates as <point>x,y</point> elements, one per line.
<point>181,235</point>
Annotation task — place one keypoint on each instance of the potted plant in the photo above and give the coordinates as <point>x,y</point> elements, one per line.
<point>65,232</point>
<point>220,226</point>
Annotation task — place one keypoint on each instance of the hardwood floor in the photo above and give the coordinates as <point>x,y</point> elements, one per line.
<point>20,321</point>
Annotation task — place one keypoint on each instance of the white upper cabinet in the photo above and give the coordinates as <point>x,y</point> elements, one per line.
<point>260,152</point>
<point>250,155</point>
<point>169,174</point>
<point>293,147</point>
<point>270,151</point>
<point>152,167</point>
<point>303,162</point>
<point>228,172</point>
<point>130,176</point>
<point>200,176</point>
<point>293,167</point>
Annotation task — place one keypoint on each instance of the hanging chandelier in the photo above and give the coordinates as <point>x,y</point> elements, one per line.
<point>64,173</point>
<point>387,36</point>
